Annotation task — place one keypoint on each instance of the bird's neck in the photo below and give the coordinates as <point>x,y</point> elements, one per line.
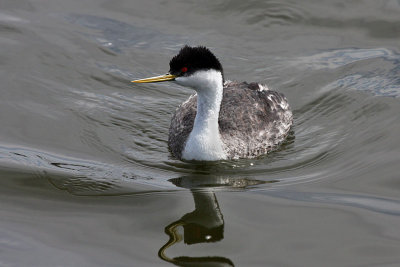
<point>204,142</point>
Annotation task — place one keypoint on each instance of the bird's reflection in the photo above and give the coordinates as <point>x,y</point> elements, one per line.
<point>206,223</point>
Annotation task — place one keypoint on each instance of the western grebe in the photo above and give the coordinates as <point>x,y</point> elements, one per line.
<point>224,119</point>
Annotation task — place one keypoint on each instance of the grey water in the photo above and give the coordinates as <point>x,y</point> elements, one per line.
<point>86,178</point>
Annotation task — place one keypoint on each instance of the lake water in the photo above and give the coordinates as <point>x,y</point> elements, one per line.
<point>86,178</point>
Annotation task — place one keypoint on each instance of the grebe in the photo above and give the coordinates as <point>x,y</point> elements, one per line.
<point>224,119</point>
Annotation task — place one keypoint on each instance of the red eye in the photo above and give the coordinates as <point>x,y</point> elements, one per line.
<point>184,69</point>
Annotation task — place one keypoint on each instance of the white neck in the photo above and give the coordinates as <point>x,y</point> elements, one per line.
<point>204,142</point>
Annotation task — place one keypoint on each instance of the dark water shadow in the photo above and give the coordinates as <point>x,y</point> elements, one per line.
<point>203,225</point>
<point>206,223</point>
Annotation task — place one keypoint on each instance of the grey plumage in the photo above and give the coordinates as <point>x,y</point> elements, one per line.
<point>252,121</point>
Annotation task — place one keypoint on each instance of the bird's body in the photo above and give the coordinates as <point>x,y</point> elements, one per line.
<point>252,121</point>
<point>223,120</point>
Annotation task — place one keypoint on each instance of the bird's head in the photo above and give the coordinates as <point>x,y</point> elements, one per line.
<point>194,67</point>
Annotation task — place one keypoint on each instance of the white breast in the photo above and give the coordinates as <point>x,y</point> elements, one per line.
<point>204,141</point>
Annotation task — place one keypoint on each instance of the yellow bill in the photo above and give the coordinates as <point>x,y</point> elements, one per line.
<point>161,78</point>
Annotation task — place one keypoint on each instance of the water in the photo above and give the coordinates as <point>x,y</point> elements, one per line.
<point>86,178</point>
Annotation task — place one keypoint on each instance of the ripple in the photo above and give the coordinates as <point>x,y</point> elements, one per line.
<point>9,18</point>
<point>117,35</point>
<point>266,13</point>
<point>376,71</point>
<point>77,175</point>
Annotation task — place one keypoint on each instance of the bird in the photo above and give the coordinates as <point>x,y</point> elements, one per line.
<point>223,120</point>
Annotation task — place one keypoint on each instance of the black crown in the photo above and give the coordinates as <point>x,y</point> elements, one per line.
<point>194,59</point>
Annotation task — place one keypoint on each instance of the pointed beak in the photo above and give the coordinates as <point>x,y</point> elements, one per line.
<point>162,78</point>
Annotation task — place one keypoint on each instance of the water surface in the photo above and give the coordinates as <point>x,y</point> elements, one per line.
<point>86,176</point>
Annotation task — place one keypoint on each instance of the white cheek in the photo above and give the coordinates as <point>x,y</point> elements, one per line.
<point>184,81</point>
<point>204,80</point>
<point>192,81</point>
